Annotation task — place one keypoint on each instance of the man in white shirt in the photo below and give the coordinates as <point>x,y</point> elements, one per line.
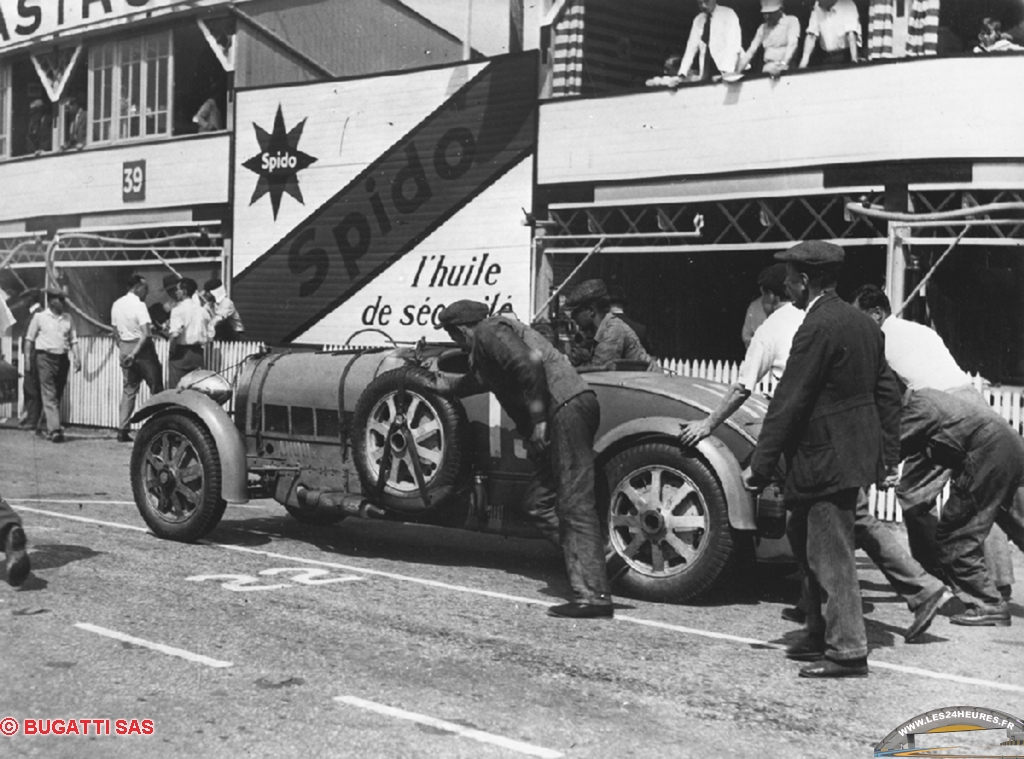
<point>133,330</point>
<point>51,337</point>
<point>834,25</point>
<point>716,36</point>
<point>188,330</point>
<point>225,322</point>
<point>921,360</point>
<point>779,35</point>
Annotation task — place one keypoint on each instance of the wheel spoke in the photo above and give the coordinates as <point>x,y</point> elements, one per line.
<point>688,522</point>
<point>380,427</point>
<point>657,558</point>
<point>165,448</point>
<point>655,487</point>
<point>634,497</point>
<point>684,491</point>
<point>190,473</point>
<point>191,496</point>
<point>429,455</point>
<point>631,521</point>
<point>414,404</point>
<point>686,551</point>
<point>180,454</point>
<point>425,430</point>
<point>634,546</point>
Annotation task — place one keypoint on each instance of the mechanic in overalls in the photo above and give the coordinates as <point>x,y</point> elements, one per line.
<point>558,414</point>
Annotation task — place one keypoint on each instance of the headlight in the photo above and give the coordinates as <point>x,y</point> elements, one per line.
<point>208,383</point>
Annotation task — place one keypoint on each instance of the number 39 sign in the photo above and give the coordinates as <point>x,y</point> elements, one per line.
<point>133,181</point>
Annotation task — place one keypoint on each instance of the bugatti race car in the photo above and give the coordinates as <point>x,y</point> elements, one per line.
<point>362,433</point>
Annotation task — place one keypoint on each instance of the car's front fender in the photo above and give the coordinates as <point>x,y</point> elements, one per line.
<point>230,444</point>
<point>711,449</point>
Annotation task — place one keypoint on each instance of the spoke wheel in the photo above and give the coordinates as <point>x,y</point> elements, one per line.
<point>400,422</point>
<point>176,477</point>
<point>667,518</point>
<point>428,441</point>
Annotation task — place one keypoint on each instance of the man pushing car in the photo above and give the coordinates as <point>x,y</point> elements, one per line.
<point>558,414</point>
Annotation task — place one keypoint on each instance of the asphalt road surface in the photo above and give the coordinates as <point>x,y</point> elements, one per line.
<point>371,639</point>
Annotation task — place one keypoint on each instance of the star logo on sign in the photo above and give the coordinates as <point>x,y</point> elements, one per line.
<point>278,162</point>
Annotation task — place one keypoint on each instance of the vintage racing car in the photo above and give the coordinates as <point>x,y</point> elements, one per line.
<point>361,433</point>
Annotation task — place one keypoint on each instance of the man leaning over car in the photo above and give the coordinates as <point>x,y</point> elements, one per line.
<point>558,414</point>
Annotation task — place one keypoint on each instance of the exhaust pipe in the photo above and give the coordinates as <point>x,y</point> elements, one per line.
<point>337,501</point>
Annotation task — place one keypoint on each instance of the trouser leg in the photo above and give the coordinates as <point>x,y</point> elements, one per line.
<point>130,388</point>
<point>920,522</point>
<point>572,431</point>
<point>33,410</point>
<point>48,366</point>
<point>996,548</point>
<point>810,596</point>
<point>539,500</point>
<point>905,575</point>
<point>833,568</point>
<point>961,533</point>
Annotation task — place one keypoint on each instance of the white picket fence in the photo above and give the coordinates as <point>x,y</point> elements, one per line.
<point>93,395</point>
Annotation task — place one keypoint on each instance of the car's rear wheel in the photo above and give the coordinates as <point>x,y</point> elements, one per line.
<point>436,443</point>
<point>668,519</point>
<point>176,477</point>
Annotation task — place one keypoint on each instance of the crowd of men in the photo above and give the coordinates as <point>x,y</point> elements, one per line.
<point>188,321</point>
<point>859,391</point>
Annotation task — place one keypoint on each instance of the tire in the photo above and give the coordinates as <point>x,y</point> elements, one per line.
<point>686,563</point>
<point>176,477</point>
<point>439,427</point>
<point>313,517</point>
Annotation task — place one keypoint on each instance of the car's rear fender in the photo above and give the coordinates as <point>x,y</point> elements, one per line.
<point>713,451</point>
<point>229,442</point>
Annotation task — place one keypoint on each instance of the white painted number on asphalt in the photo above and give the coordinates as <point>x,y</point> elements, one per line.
<point>299,575</point>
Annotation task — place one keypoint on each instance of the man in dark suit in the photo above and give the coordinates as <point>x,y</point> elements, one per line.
<point>835,416</point>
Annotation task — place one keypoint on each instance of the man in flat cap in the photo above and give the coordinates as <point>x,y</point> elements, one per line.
<point>558,414</point>
<point>613,339</point>
<point>835,416</point>
<point>51,338</point>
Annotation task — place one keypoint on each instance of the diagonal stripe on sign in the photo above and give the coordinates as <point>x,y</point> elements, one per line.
<point>458,151</point>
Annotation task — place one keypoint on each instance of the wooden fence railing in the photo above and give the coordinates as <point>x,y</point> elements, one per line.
<point>93,395</point>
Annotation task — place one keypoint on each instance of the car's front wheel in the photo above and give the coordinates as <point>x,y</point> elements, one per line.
<point>176,477</point>
<point>668,519</point>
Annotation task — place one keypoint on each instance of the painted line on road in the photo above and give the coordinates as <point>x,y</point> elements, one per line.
<point>931,674</point>
<point>76,518</point>
<point>94,501</point>
<point>169,650</point>
<point>452,727</point>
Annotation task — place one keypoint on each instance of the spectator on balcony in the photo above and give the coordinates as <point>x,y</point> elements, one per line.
<point>779,36</point>
<point>74,137</point>
<point>208,118</point>
<point>992,38</point>
<point>39,137</point>
<point>669,71</point>
<point>715,42</point>
<point>834,27</point>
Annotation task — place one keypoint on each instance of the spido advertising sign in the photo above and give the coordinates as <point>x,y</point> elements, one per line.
<point>366,206</point>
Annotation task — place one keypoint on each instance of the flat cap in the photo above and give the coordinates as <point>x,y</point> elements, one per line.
<point>773,279</point>
<point>56,292</point>
<point>463,312</point>
<point>586,292</point>
<point>171,280</point>
<point>812,253</point>
<point>212,284</point>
